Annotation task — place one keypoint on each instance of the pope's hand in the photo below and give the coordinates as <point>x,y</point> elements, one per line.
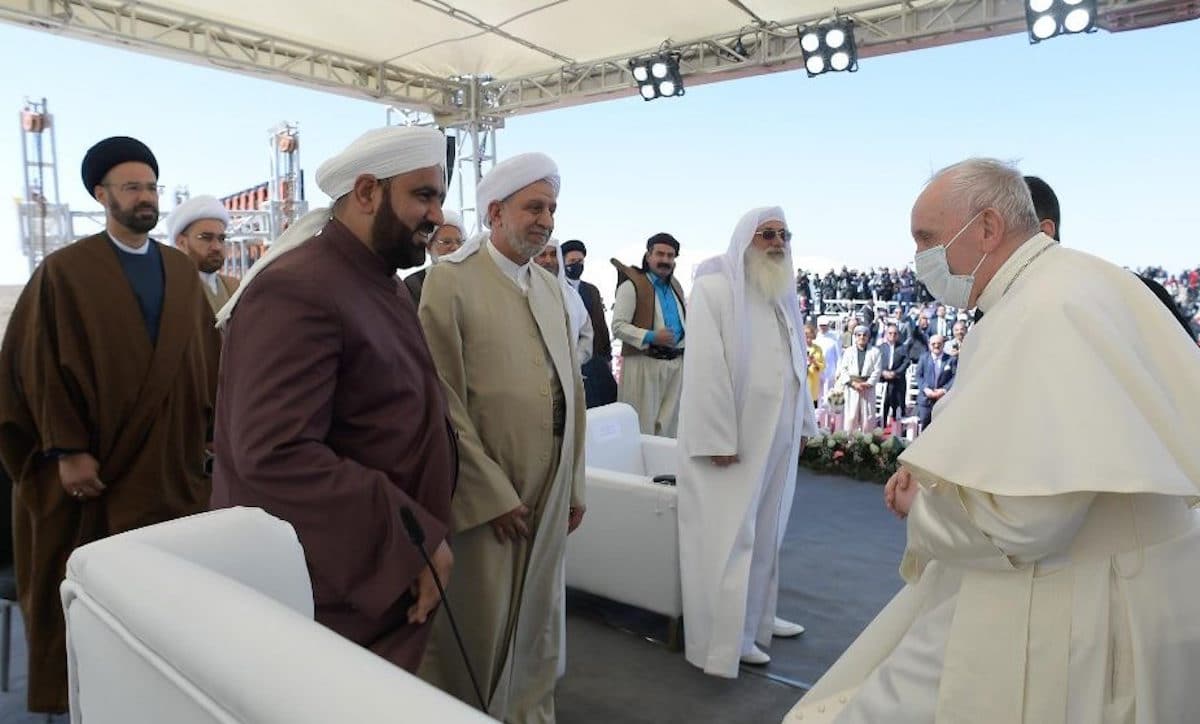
<point>512,525</point>
<point>425,589</point>
<point>899,492</point>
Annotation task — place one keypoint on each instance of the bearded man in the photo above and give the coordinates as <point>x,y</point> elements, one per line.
<point>330,413</point>
<point>746,413</point>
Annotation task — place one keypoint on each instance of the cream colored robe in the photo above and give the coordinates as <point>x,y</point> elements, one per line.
<point>860,406</point>
<point>490,343</point>
<point>732,519</point>
<point>651,386</point>
<point>1053,563</point>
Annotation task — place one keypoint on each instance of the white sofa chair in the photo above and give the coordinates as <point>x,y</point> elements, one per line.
<point>209,619</point>
<point>627,549</point>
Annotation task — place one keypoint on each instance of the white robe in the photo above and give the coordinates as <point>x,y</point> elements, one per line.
<point>1053,568</point>
<point>651,386</point>
<point>860,407</point>
<point>832,350</point>
<point>732,519</point>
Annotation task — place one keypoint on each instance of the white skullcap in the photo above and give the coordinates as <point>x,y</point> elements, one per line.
<point>382,153</point>
<point>453,218</point>
<point>823,320</point>
<point>195,209</point>
<point>513,174</point>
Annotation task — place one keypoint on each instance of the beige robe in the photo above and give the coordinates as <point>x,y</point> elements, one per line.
<point>491,344</point>
<point>651,386</point>
<point>226,286</point>
<point>1053,567</point>
<point>860,406</point>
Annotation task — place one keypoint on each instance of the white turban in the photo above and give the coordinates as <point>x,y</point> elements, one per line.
<point>195,209</point>
<point>382,153</point>
<point>508,177</point>
<point>453,218</point>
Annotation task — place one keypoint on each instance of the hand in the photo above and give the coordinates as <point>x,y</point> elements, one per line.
<point>513,525</point>
<point>80,476</point>
<point>722,461</point>
<point>664,338</point>
<point>899,492</point>
<point>425,589</point>
<point>575,517</point>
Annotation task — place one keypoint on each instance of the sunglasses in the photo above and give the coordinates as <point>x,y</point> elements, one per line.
<point>770,234</point>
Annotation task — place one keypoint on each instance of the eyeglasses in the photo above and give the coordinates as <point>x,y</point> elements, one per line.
<point>445,243</point>
<point>136,188</point>
<point>208,237</point>
<point>770,234</point>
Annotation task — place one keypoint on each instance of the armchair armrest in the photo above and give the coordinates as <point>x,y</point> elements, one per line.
<point>659,455</point>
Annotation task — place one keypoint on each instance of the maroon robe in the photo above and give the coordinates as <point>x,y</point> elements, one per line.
<point>78,372</point>
<point>330,416</point>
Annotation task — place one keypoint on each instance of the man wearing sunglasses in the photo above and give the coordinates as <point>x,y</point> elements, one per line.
<point>197,227</point>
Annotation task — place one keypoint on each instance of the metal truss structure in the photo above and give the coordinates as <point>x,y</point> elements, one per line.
<point>883,26</point>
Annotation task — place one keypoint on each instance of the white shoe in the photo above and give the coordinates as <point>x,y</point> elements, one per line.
<point>786,629</point>
<point>756,657</point>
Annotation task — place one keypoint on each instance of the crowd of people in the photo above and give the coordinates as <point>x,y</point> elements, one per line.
<point>326,390</point>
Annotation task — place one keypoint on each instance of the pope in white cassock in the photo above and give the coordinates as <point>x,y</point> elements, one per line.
<point>1053,561</point>
<point>744,416</point>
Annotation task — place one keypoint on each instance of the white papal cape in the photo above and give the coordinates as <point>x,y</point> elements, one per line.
<point>1053,562</point>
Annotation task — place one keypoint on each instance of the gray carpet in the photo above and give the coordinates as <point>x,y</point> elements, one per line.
<point>839,565</point>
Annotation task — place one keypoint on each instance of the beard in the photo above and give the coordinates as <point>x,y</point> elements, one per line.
<point>769,274</point>
<point>394,241</point>
<point>522,246</point>
<point>211,264</point>
<point>140,218</point>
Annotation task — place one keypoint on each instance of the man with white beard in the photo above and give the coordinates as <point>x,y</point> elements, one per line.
<point>737,472</point>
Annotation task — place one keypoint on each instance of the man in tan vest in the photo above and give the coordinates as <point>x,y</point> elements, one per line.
<point>648,318</point>
<point>197,227</point>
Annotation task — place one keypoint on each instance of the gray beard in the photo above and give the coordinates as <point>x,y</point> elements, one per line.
<point>771,278</point>
<point>522,247</point>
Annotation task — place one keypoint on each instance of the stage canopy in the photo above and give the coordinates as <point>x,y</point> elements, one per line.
<point>473,61</point>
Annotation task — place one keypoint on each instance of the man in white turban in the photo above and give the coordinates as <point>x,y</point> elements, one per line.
<point>445,240</point>
<point>858,373</point>
<point>197,227</point>
<point>551,259</point>
<point>1053,567</point>
<point>745,414</point>
<point>501,339</point>
<point>330,414</point>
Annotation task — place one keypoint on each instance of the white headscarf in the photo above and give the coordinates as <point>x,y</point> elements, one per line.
<point>576,310</point>
<point>382,153</point>
<point>732,264</point>
<point>453,218</point>
<point>507,178</point>
<point>195,209</point>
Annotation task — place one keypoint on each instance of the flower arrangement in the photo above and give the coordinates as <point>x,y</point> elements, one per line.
<point>860,455</point>
<point>836,400</point>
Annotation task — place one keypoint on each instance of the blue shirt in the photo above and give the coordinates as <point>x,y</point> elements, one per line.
<point>145,275</point>
<point>669,304</point>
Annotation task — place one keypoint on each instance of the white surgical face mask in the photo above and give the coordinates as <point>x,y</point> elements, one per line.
<point>933,270</point>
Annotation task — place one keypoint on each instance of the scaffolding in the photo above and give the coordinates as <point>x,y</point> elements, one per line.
<point>44,223</point>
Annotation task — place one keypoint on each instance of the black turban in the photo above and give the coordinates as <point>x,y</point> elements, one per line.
<point>662,238</point>
<point>573,245</point>
<point>110,152</point>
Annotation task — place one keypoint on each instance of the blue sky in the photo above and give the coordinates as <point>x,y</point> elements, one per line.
<point>1108,119</point>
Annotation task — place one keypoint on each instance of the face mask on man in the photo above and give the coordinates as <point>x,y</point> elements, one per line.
<point>933,270</point>
<point>574,271</point>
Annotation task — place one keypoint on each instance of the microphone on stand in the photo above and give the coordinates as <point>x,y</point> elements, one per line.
<point>417,535</point>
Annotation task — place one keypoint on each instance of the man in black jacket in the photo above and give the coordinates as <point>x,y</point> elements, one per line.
<point>599,386</point>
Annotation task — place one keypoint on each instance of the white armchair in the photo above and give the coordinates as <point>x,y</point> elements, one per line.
<point>208,619</point>
<point>627,549</point>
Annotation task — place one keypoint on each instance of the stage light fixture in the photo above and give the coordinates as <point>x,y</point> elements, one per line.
<point>657,75</point>
<point>829,47</point>
<point>1048,18</point>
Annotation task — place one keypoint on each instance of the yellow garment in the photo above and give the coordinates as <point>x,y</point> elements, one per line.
<point>816,365</point>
